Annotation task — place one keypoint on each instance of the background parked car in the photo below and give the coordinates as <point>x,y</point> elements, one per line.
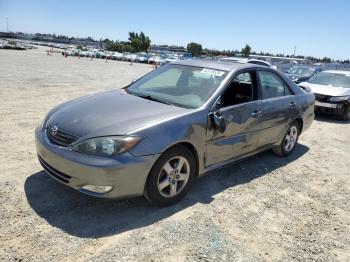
<point>233,59</point>
<point>172,58</point>
<point>99,54</point>
<point>106,54</point>
<point>260,62</point>
<point>142,57</point>
<point>90,53</point>
<point>302,73</point>
<point>186,56</point>
<point>157,59</point>
<point>332,92</point>
<point>125,56</point>
<point>247,61</point>
<point>132,57</point>
<point>116,55</point>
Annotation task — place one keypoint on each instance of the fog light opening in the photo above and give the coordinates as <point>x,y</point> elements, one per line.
<point>98,189</point>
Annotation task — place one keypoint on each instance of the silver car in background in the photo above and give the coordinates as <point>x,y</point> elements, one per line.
<point>156,136</point>
<point>332,92</point>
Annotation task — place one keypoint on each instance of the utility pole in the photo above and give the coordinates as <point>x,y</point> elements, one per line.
<point>7,24</point>
<point>295,48</point>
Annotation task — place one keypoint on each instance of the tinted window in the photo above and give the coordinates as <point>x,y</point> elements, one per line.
<point>240,90</point>
<point>271,85</point>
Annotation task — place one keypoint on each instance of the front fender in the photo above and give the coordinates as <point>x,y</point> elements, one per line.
<point>157,138</point>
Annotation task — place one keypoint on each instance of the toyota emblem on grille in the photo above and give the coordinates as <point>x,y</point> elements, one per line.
<point>54,130</point>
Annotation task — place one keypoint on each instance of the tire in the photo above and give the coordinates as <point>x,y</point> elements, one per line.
<point>289,141</point>
<point>346,113</point>
<point>166,183</point>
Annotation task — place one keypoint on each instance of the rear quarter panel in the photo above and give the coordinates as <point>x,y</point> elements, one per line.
<point>306,103</point>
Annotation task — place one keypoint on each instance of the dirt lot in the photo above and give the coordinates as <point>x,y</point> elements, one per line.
<point>263,209</point>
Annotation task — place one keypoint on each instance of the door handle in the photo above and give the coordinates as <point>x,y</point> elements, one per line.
<point>256,113</point>
<point>292,105</point>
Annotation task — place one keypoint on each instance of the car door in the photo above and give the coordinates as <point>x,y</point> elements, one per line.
<point>278,106</point>
<point>239,108</point>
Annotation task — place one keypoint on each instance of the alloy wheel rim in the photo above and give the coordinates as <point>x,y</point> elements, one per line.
<point>173,176</point>
<point>291,138</point>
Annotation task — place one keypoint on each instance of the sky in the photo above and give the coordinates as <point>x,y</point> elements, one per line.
<point>316,27</point>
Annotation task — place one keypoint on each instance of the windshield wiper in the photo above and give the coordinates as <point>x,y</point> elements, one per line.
<point>152,98</point>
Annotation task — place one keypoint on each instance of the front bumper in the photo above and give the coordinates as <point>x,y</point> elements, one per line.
<point>126,173</point>
<point>331,108</point>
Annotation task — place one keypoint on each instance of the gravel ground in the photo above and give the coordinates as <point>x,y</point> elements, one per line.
<point>265,208</point>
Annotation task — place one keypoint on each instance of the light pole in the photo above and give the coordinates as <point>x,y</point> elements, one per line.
<point>295,48</point>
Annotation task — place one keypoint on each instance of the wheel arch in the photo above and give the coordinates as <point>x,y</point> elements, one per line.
<point>186,144</point>
<point>193,150</point>
<point>300,122</point>
<point>189,146</point>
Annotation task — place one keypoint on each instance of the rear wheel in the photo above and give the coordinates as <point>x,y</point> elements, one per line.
<point>171,176</point>
<point>289,141</point>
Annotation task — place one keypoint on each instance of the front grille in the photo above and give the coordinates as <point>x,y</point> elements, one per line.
<point>58,137</point>
<point>321,98</point>
<point>54,172</point>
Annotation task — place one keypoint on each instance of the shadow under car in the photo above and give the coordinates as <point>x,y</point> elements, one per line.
<point>88,217</point>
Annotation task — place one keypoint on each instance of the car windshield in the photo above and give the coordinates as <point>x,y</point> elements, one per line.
<point>302,71</point>
<point>332,79</point>
<point>184,86</point>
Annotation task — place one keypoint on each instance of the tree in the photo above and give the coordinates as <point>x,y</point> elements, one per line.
<point>326,59</point>
<point>132,36</point>
<point>194,48</point>
<point>145,42</point>
<point>139,42</point>
<point>246,51</point>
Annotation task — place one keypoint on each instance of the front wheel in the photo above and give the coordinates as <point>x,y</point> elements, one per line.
<point>289,141</point>
<point>171,176</point>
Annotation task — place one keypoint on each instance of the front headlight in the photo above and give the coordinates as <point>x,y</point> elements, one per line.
<point>338,98</point>
<point>106,146</point>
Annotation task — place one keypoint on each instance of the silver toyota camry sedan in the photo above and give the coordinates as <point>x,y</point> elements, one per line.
<point>157,135</point>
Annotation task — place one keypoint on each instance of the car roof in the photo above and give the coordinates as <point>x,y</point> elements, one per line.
<point>231,58</point>
<point>259,60</point>
<point>306,66</point>
<point>342,72</point>
<point>219,65</point>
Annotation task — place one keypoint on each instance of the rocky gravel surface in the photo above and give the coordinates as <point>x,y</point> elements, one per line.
<point>264,208</point>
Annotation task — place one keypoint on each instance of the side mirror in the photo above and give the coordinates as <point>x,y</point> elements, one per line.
<point>306,88</point>
<point>218,121</point>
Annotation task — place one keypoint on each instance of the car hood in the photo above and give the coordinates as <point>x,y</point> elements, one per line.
<point>110,113</point>
<point>327,90</point>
